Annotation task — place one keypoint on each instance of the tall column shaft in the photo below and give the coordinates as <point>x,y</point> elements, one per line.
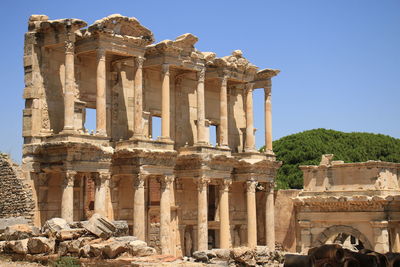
<point>202,211</point>
<point>201,120</point>
<point>67,197</point>
<point>69,86</point>
<point>165,214</point>
<point>223,112</point>
<point>224,229</point>
<point>268,119</point>
<point>139,215</point>
<point>138,109</point>
<point>165,107</point>
<point>101,93</point>
<point>251,214</point>
<point>249,147</point>
<point>102,183</point>
<point>270,217</point>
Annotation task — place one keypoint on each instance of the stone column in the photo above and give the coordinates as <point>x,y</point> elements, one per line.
<point>381,236</point>
<point>270,217</point>
<point>101,113</point>
<point>69,84</point>
<point>139,215</point>
<point>249,147</point>
<point>102,182</point>
<point>138,108</point>
<point>251,214</point>
<point>268,119</point>
<point>201,117</point>
<point>67,197</point>
<point>165,214</point>
<point>223,106</point>
<point>224,228</point>
<point>202,212</point>
<point>165,107</point>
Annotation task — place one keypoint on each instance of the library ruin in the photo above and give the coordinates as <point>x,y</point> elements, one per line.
<point>177,192</point>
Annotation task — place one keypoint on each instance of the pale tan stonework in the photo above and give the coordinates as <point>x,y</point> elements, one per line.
<point>177,192</point>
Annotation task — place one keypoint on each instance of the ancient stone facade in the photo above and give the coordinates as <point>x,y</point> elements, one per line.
<point>178,192</point>
<point>357,204</point>
<point>15,194</point>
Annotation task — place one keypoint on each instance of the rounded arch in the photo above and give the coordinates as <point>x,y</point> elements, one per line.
<point>337,229</point>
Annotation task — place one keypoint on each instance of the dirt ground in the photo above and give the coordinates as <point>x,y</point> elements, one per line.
<point>7,262</point>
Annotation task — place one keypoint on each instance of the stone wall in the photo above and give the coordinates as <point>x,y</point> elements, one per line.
<point>15,195</point>
<point>285,219</point>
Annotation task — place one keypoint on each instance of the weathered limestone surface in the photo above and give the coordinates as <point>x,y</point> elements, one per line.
<point>167,188</point>
<point>355,204</point>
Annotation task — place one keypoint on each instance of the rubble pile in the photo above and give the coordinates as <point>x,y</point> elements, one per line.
<point>96,238</point>
<point>240,256</point>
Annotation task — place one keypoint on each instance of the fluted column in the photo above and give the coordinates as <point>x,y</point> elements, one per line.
<point>223,106</point>
<point>69,84</point>
<point>165,107</point>
<point>268,119</point>
<point>165,214</point>
<point>202,211</point>
<point>138,108</point>
<point>249,147</point>
<point>101,93</point>
<point>201,120</point>
<point>270,217</point>
<point>139,215</point>
<point>67,197</point>
<point>224,229</point>
<point>251,214</point>
<point>102,182</point>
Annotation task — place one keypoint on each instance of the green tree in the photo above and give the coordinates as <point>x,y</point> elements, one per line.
<point>306,148</point>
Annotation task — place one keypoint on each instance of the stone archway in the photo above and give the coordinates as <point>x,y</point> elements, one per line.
<point>337,229</point>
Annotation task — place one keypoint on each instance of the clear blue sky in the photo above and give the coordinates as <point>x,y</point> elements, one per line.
<point>339,60</point>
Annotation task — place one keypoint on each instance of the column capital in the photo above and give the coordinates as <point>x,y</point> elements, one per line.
<point>69,178</point>
<point>166,181</point>
<point>201,74</point>
<point>69,46</point>
<point>165,68</point>
<point>270,186</point>
<point>251,186</point>
<point>202,183</point>
<point>249,87</point>
<point>103,177</point>
<point>139,61</point>
<point>225,184</point>
<point>139,181</point>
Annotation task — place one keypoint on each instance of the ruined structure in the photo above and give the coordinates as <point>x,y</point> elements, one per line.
<point>357,203</point>
<point>177,192</point>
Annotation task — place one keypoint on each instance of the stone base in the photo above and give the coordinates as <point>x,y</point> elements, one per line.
<point>145,143</point>
<point>200,148</point>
